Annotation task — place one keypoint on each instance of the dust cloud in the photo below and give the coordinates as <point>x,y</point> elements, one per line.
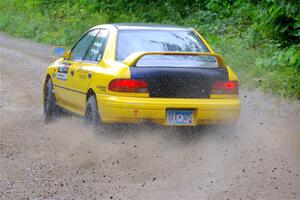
<point>66,160</point>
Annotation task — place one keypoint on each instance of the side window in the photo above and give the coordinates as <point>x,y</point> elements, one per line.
<point>96,50</point>
<point>79,50</point>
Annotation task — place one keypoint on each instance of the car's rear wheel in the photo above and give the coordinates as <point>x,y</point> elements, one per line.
<point>91,114</point>
<point>50,105</point>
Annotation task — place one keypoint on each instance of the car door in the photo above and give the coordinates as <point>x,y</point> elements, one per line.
<point>68,95</point>
<point>86,68</point>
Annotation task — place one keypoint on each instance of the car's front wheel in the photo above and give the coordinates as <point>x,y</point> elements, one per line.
<point>50,106</point>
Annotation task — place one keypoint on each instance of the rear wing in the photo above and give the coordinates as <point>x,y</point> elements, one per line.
<point>135,57</point>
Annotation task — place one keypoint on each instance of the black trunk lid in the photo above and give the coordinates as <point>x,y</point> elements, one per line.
<point>176,82</point>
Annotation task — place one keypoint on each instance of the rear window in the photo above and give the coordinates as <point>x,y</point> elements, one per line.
<point>131,41</point>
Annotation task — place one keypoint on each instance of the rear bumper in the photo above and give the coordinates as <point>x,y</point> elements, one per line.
<point>137,109</point>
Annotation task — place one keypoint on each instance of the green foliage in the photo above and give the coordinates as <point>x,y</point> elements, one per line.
<point>259,39</point>
<point>279,20</point>
<point>282,71</point>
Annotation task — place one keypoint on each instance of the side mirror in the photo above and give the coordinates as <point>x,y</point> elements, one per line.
<point>61,52</point>
<point>67,54</point>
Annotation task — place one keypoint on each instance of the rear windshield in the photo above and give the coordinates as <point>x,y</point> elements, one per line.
<point>131,41</point>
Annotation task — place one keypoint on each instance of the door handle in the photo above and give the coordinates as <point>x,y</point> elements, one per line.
<point>72,72</point>
<point>90,74</point>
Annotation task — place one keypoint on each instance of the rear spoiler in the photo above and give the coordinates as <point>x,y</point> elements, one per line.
<point>135,57</point>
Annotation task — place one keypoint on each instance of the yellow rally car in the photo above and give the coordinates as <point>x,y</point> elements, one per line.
<point>131,73</point>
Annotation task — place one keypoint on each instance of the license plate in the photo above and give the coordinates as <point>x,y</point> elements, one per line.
<point>180,117</point>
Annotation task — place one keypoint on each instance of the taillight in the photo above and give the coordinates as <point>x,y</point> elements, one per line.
<point>128,85</point>
<point>225,87</point>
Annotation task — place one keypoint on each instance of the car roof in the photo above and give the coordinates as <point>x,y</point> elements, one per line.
<point>143,26</point>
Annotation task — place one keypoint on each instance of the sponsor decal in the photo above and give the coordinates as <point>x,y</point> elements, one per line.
<point>62,72</point>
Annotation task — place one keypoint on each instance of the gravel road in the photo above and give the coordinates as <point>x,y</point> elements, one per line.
<point>65,160</point>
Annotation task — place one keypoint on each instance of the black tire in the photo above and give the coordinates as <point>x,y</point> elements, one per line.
<point>91,113</point>
<point>50,105</point>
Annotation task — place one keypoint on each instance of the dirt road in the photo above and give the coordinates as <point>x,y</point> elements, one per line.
<point>65,160</point>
